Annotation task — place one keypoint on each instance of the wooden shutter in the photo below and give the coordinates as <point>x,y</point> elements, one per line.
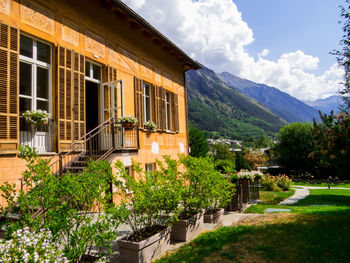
<point>155,98</point>
<point>70,96</point>
<point>78,96</point>
<point>112,76</point>
<point>162,107</point>
<point>138,93</point>
<point>175,112</point>
<point>9,88</point>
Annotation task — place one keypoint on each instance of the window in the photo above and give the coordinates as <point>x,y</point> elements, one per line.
<point>168,111</point>
<point>92,72</point>
<point>35,75</point>
<point>147,102</point>
<point>149,167</point>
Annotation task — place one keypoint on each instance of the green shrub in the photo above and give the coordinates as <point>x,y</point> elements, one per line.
<point>284,182</point>
<point>153,198</point>
<point>270,183</point>
<point>63,205</point>
<point>225,166</point>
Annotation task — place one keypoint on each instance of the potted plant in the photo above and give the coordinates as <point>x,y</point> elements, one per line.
<point>257,175</point>
<point>152,207</point>
<point>149,125</point>
<point>128,121</point>
<point>36,118</point>
<point>195,192</point>
<point>221,192</point>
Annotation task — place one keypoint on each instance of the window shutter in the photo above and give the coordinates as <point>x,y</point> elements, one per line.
<point>162,108</point>
<point>112,76</point>
<point>70,96</point>
<point>175,114</point>
<point>78,96</point>
<point>138,92</point>
<point>9,88</point>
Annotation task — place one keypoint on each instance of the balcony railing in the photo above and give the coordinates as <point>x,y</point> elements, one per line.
<point>41,138</point>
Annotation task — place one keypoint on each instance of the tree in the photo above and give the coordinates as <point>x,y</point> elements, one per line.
<point>343,55</point>
<point>332,145</point>
<point>198,142</point>
<point>294,147</point>
<point>221,151</point>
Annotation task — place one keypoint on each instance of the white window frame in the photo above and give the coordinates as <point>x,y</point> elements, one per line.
<point>91,73</point>
<point>145,97</point>
<point>149,167</point>
<point>35,63</point>
<point>168,115</point>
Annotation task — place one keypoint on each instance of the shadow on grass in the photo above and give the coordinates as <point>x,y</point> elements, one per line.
<point>281,238</point>
<point>338,200</point>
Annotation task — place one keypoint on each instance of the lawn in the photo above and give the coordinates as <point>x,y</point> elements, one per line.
<point>313,232</point>
<point>342,185</point>
<point>273,198</point>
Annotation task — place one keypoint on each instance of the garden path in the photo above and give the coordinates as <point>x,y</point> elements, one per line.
<point>303,191</point>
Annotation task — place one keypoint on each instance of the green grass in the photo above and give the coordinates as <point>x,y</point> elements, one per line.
<point>342,185</point>
<point>309,234</point>
<point>273,198</point>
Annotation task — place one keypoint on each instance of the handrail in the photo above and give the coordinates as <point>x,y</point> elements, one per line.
<point>81,138</point>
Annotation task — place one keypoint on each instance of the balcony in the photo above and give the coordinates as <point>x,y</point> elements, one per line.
<point>41,138</point>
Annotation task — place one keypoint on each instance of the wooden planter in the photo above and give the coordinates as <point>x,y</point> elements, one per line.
<point>146,250</point>
<point>217,218</point>
<point>185,230</point>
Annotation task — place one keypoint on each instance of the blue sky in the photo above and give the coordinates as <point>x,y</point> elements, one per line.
<point>281,43</point>
<point>286,25</point>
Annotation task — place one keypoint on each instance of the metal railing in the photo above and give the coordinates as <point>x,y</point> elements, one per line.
<point>97,145</point>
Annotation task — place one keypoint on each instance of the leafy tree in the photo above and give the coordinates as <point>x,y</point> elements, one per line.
<point>198,142</point>
<point>241,162</point>
<point>343,55</point>
<point>221,151</point>
<point>255,159</point>
<point>332,145</point>
<point>262,141</point>
<point>294,147</point>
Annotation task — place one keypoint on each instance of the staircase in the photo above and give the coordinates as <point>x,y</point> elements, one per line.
<point>97,145</point>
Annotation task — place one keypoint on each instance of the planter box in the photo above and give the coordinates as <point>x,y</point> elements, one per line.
<point>185,230</point>
<point>217,218</point>
<point>146,250</point>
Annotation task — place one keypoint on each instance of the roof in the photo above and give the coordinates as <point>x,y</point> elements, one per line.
<point>137,22</point>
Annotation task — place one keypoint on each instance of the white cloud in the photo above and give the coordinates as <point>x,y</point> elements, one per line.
<point>214,33</point>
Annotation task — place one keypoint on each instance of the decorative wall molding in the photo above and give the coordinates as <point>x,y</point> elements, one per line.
<point>167,79</point>
<point>94,43</point>
<point>130,58</point>
<point>5,6</point>
<point>70,31</point>
<point>146,69</point>
<point>158,76</point>
<point>37,16</point>
<point>113,57</point>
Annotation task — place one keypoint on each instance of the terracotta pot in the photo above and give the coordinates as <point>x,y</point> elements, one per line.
<point>128,125</point>
<point>185,230</point>
<point>146,250</point>
<point>256,180</point>
<point>244,180</point>
<point>217,218</point>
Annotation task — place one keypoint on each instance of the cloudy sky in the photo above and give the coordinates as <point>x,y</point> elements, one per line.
<point>284,44</point>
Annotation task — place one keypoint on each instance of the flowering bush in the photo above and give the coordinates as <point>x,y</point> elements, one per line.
<point>27,246</point>
<point>36,117</point>
<point>150,125</point>
<point>128,119</point>
<point>270,183</point>
<point>284,182</point>
<point>250,175</point>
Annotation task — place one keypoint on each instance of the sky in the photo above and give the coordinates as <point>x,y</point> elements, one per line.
<point>281,43</point>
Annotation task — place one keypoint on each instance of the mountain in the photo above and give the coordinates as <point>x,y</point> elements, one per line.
<point>278,102</point>
<point>219,109</point>
<point>326,105</point>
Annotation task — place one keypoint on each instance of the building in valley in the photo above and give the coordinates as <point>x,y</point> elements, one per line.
<point>88,63</point>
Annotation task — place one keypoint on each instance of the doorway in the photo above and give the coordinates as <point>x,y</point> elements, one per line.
<point>91,105</point>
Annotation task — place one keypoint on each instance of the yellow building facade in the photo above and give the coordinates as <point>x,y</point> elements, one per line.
<point>88,63</point>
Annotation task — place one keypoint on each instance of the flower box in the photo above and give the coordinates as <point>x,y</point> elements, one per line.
<point>146,250</point>
<point>216,218</point>
<point>128,125</point>
<point>185,230</point>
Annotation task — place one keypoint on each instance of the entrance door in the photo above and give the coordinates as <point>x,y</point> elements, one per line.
<point>91,106</point>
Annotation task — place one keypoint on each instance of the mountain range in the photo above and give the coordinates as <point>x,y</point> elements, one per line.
<point>278,102</point>
<point>326,105</point>
<point>224,105</point>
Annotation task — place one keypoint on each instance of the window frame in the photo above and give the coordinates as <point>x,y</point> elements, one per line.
<point>35,63</point>
<point>145,97</point>
<point>91,75</point>
<point>168,113</point>
<point>150,165</point>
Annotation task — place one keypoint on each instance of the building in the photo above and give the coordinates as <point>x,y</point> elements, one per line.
<point>88,63</point>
